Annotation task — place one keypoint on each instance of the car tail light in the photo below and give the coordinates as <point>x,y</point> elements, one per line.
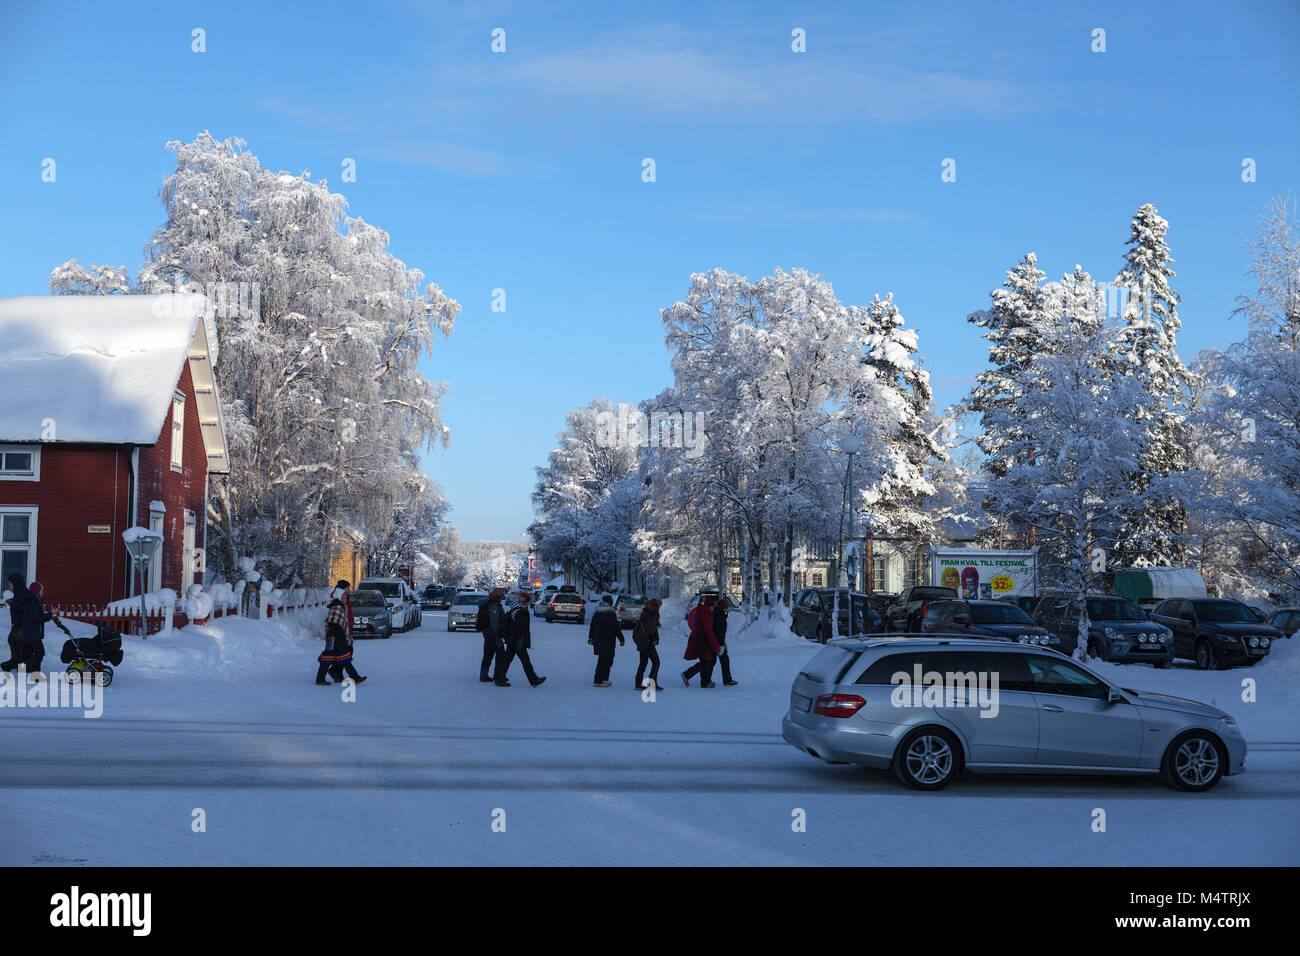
<point>620,608</point>
<point>838,705</point>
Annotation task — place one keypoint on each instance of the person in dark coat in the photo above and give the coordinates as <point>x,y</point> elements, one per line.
<point>491,621</point>
<point>701,646</point>
<point>601,634</point>
<point>516,642</point>
<point>337,656</point>
<point>16,603</point>
<point>646,638</point>
<point>26,607</point>
<point>720,633</point>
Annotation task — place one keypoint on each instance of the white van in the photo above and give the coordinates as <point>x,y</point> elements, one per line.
<point>401,600</point>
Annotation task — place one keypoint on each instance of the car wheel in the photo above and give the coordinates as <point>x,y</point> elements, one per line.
<point>450,628</point>
<point>1163,665</point>
<point>1194,762</point>
<point>388,633</point>
<point>927,759</point>
<point>1094,650</point>
<point>1204,656</point>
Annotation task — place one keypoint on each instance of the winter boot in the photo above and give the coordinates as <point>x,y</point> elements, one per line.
<point>501,682</point>
<point>539,682</point>
<point>483,676</point>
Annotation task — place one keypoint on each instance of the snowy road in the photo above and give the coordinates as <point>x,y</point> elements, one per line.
<point>421,765</point>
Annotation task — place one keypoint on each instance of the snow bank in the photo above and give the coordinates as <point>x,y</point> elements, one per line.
<point>226,648</point>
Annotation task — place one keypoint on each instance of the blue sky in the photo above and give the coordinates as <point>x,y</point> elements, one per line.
<point>522,170</point>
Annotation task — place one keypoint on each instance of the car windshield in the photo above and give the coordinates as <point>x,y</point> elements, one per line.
<point>998,614</point>
<point>1226,611</point>
<point>1100,609</point>
<point>433,591</point>
<point>367,599</point>
<point>464,600</point>
<point>385,588</point>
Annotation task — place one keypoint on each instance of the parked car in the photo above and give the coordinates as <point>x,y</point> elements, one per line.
<point>568,606</point>
<point>1026,602</point>
<point>542,599</point>
<point>810,614</point>
<point>1286,620</point>
<point>1050,715</point>
<point>1215,632</point>
<point>629,608</point>
<point>716,594</point>
<point>909,610</point>
<point>464,609</point>
<point>436,597</point>
<point>996,619</point>
<point>1118,630</point>
<point>402,605</point>
<point>370,614</point>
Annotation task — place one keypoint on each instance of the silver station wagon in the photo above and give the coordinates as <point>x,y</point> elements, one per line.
<point>930,707</point>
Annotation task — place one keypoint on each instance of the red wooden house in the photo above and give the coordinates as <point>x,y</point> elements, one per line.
<point>110,419</point>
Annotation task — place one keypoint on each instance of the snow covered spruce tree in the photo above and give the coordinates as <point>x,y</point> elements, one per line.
<point>1255,420</point>
<point>1147,351</point>
<point>325,406</point>
<point>1010,326</point>
<point>1072,436</point>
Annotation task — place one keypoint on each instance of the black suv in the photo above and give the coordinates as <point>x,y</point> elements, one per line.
<point>1215,632</point>
<point>810,614</point>
<point>997,619</point>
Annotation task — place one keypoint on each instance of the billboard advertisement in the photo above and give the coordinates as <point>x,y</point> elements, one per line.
<point>985,575</point>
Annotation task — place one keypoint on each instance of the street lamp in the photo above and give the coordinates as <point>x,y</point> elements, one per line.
<point>142,545</point>
<point>850,445</point>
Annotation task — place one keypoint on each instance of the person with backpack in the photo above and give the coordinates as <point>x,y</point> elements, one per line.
<point>490,622</point>
<point>720,633</point>
<point>515,641</point>
<point>646,638</point>
<point>701,646</point>
<point>601,634</point>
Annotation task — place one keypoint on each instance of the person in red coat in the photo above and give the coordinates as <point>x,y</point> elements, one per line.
<point>701,647</point>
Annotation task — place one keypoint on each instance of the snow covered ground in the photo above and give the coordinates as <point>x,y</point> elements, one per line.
<point>226,720</point>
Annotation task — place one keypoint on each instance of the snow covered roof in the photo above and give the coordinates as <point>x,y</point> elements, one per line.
<point>103,368</point>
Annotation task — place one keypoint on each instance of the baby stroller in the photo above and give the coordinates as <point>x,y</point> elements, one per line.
<point>92,658</point>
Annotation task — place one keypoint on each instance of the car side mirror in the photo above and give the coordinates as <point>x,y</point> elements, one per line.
<point>1113,696</point>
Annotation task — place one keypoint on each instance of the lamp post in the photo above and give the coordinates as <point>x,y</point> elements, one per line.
<point>142,545</point>
<point>850,445</point>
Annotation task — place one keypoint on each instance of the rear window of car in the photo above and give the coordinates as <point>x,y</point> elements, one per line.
<point>883,670</point>
<point>829,664</point>
<point>385,588</point>
<point>932,594</point>
<point>632,601</point>
<point>998,614</point>
<point>567,599</point>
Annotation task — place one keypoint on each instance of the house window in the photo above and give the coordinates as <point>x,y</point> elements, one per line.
<point>818,580</point>
<point>879,573</point>
<point>911,572</point>
<point>20,463</point>
<point>178,430</point>
<point>17,543</point>
<point>187,565</point>
<point>155,566</point>
<point>735,579</point>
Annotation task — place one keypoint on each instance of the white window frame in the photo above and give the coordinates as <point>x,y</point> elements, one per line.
<point>190,536</point>
<point>34,451</point>
<point>178,432</point>
<point>32,511</point>
<point>880,572</point>
<point>156,523</point>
